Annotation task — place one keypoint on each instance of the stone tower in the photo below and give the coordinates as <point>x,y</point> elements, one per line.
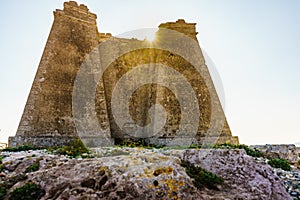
<point>48,120</point>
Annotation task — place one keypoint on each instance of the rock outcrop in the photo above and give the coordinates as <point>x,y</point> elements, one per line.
<point>136,173</point>
<point>285,151</point>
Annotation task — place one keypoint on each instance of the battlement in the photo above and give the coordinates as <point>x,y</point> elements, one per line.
<point>74,4</point>
<point>80,12</point>
<point>104,36</point>
<point>180,25</point>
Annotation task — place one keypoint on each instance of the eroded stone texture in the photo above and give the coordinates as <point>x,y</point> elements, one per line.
<point>48,119</point>
<point>284,151</point>
<point>135,173</point>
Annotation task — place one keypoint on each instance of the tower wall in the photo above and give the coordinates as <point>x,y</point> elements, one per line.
<point>48,119</point>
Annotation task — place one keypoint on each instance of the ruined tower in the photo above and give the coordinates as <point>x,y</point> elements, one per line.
<point>48,119</point>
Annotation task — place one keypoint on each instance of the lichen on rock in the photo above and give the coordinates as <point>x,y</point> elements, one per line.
<point>142,174</point>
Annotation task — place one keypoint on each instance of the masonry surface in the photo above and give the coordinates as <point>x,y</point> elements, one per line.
<point>48,120</point>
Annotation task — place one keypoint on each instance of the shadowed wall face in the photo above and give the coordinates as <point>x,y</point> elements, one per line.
<point>149,94</point>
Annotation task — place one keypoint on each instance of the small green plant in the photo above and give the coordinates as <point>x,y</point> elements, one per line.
<point>74,149</point>
<point>32,168</point>
<point>1,167</point>
<point>280,163</point>
<point>249,151</point>
<point>2,192</point>
<point>27,192</point>
<point>7,184</point>
<point>193,146</point>
<point>20,148</point>
<point>202,178</point>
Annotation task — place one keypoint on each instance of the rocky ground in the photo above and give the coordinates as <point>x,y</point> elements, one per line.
<point>138,173</point>
<point>290,179</point>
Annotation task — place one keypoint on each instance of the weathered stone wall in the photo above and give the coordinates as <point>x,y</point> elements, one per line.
<point>42,141</point>
<point>48,113</point>
<point>148,95</point>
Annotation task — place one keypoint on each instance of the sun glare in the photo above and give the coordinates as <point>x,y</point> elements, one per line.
<point>150,36</point>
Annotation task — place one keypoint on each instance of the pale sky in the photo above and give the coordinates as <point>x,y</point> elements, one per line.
<point>255,45</point>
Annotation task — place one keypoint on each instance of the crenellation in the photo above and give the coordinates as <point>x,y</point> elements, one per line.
<point>80,12</point>
<point>74,5</point>
<point>83,7</point>
<point>181,26</point>
<point>104,36</point>
<point>77,16</point>
<point>71,3</point>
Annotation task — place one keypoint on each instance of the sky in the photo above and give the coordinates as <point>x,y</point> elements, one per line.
<point>254,44</point>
